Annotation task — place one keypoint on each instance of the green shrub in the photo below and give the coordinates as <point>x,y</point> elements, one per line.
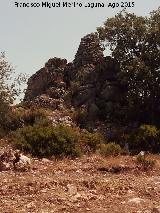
<point>15,121</point>
<point>12,122</point>
<point>148,131</point>
<point>20,117</point>
<point>31,116</point>
<point>45,141</point>
<point>146,137</point>
<point>90,142</point>
<point>112,149</point>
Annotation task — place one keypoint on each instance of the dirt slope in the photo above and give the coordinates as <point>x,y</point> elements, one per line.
<point>81,185</point>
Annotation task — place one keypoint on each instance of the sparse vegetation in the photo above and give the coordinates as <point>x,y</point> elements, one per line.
<point>146,164</point>
<point>112,149</point>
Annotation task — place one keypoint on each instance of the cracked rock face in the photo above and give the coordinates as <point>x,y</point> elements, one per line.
<point>89,51</point>
<point>50,75</point>
<point>90,80</point>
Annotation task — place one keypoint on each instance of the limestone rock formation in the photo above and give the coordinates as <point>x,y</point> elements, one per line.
<point>89,51</point>
<point>50,75</point>
<point>90,81</point>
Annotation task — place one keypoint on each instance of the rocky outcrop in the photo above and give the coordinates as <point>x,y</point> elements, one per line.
<point>90,81</point>
<point>89,51</point>
<point>51,75</point>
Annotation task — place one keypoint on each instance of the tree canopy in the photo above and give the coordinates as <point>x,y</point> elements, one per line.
<point>9,88</point>
<point>135,43</point>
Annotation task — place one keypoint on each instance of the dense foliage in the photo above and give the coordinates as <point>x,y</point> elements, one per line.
<point>146,137</point>
<point>135,42</point>
<point>45,140</point>
<point>9,90</point>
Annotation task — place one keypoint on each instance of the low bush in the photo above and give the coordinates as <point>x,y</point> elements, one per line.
<point>15,120</point>
<point>146,138</point>
<point>90,142</point>
<point>45,140</point>
<point>112,149</point>
<point>32,115</point>
<point>145,164</point>
<point>21,117</point>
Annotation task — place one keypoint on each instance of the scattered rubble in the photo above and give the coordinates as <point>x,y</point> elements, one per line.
<point>72,190</point>
<point>12,159</point>
<point>76,186</point>
<point>58,118</point>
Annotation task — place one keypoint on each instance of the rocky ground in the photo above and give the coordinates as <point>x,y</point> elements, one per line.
<point>88,184</point>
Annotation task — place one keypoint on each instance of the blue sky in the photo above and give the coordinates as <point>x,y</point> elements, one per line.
<point>30,36</point>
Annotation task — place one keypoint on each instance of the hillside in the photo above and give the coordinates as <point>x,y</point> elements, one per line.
<point>86,137</point>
